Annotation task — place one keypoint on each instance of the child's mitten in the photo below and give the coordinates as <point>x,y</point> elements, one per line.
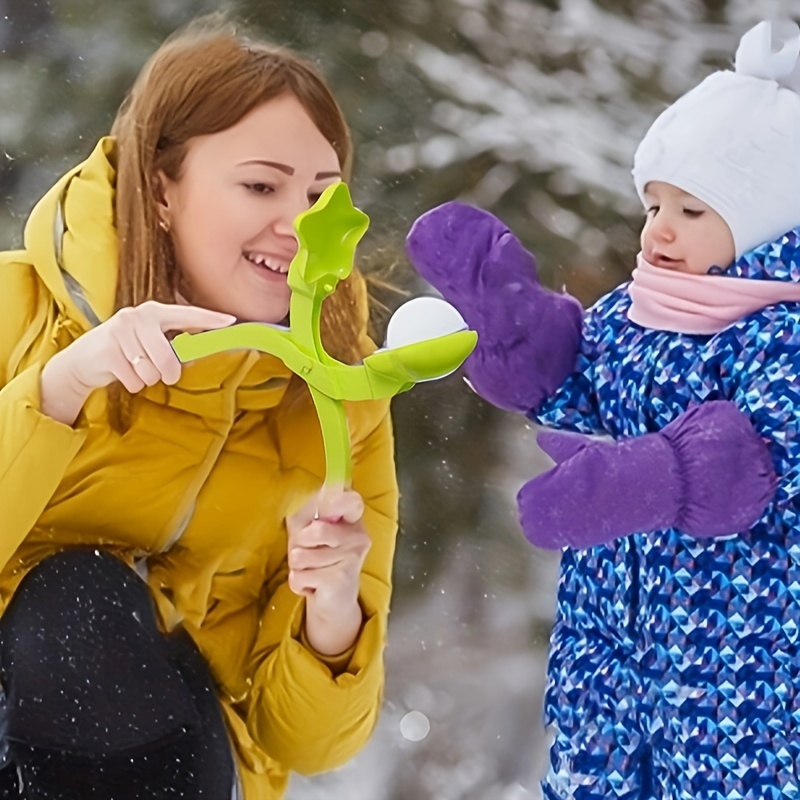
<point>708,473</point>
<point>528,335</point>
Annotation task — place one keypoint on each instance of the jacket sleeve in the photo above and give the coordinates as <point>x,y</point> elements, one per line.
<point>35,450</point>
<point>764,380</point>
<point>574,405</point>
<point>311,713</point>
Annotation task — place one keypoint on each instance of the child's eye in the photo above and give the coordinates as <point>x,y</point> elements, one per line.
<point>652,210</point>
<point>260,188</point>
<point>312,198</point>
<point>693,212</point>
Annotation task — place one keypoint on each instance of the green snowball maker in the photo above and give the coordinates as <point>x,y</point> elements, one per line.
<point>327,235</point>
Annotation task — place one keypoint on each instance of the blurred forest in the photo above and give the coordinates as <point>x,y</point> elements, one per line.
<point>529,108</point>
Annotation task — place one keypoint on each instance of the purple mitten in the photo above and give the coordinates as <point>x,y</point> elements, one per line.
<point>528,336</point>
<point>708,473</point>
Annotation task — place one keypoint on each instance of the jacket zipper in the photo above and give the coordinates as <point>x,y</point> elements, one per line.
<point>635,583</point>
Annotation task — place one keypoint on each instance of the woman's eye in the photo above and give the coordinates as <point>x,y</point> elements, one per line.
<point>693,212</point>
<point>312,198</point>
<point>260,188</point>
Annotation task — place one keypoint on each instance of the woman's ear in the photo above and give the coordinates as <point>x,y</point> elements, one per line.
<point>162,195</point>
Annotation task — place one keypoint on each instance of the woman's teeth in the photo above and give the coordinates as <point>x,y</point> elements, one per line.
<point>268,263</point>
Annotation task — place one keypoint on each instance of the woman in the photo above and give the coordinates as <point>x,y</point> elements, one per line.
<point>184,615</point>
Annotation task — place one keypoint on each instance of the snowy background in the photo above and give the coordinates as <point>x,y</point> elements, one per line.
<point>530,108</point>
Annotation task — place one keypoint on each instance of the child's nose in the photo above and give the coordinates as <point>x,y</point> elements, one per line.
<point>662,229</point>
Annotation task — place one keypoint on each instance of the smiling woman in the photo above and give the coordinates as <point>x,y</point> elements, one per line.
<point>188,615</point>
<point>232,208</point>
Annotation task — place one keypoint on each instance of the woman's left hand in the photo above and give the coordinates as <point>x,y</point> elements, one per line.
<point>328,544</point>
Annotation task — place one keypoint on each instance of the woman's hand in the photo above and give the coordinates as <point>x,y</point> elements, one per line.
<point>327,548</point>
<point>131,347</point>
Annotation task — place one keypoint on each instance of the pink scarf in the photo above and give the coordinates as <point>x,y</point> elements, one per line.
<point>668,300</point>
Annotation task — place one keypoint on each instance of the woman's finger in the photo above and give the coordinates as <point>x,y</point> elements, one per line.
<point>303,558</point>
<point>153,342</point>
<point>302,583</point>
<point>133,351</point>
<point>187,318</point>
<point>124,372</point>
<point>341,504</point>
<point>321,533</point>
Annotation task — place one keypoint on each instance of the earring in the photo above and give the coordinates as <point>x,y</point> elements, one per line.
<point>163,225</point>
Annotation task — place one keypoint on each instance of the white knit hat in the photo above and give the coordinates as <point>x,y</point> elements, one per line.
<point>734,141</point>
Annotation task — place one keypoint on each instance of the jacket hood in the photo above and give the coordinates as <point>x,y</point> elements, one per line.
<point>73,240</point>
<point>773,261</point>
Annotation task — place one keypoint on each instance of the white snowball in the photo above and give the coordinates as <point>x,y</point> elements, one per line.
<point>422,318</point>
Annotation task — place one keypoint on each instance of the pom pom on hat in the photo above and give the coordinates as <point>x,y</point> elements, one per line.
<point>734,140</point>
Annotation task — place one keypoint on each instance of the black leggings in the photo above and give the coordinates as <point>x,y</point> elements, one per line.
<point>98,703</point>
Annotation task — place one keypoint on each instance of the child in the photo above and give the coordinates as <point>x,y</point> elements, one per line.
<point>675,661</point>
<point>254,644</point>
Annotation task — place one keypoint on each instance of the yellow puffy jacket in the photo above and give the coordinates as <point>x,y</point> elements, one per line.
<point>197,491</point>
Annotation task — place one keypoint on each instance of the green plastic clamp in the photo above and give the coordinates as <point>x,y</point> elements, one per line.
<point>328,234</point>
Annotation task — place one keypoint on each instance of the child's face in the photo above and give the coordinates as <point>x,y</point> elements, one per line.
<point>682,233</point>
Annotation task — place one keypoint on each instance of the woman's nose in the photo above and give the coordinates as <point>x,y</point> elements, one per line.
<point>283,223</point>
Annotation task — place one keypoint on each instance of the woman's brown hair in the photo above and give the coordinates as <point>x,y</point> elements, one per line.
<point>202,80</point>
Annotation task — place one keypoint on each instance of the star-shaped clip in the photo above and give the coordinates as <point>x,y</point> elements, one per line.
<point>327,234</point>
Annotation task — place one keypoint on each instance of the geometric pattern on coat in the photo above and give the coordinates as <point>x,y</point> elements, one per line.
<point>674,667</point>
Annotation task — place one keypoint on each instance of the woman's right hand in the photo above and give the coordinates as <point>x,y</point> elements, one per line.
<point>131,347</point>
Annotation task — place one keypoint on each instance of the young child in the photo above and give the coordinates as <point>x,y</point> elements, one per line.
<point>675,658</point>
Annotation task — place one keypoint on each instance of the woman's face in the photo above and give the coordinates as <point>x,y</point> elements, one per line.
<point>682,233</point>
<point>231,211</point>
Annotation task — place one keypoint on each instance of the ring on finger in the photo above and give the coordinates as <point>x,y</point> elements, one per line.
<point>136,359</point>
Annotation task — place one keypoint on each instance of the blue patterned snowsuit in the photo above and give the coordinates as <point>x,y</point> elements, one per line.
<point>675,663</point>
